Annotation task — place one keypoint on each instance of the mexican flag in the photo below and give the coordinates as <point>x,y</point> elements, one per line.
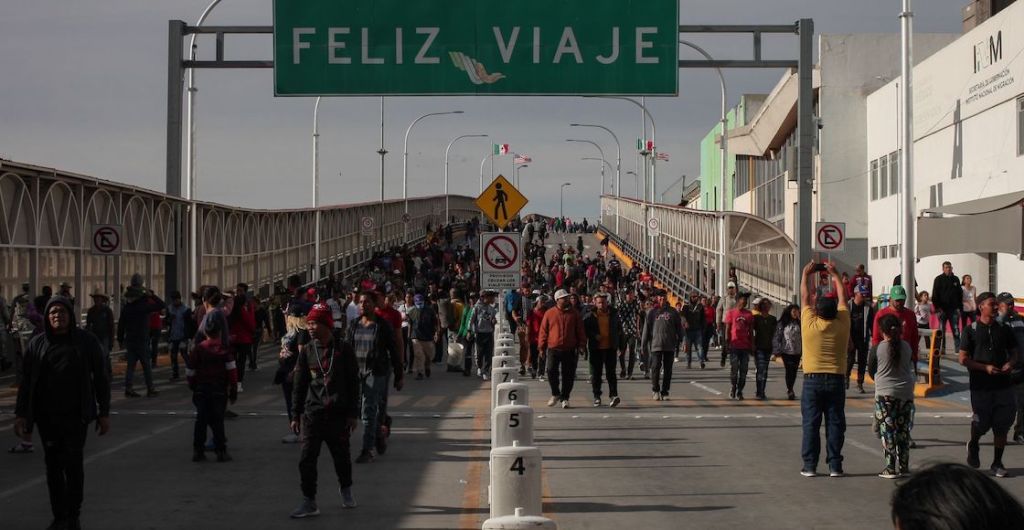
<point>644,145</point>
<point>501,149</point>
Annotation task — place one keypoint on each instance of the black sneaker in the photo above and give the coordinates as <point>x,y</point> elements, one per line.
<point>365,457</point>
<point>732,394</point>
<point>308,508</point>
<point>152,393</point>
<point>808,472</point>
<point>739,396</point>
<point>836,472</point>
<point>791,395</point>
<point>702,365</point>
<point>999,471</point>
<point>131,394</point>
<point>973,456</point>
<point>597,402</point>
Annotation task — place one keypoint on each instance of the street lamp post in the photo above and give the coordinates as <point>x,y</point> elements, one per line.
<point>405,167</point>
<point>723,256</point>
<point>618,166</point>
<point>636,184</point>
<point>599,150</point>
<point>603,163</point>
<point>654,173</point>
<point>190,166</point>
<point>447,214</point>
<point>561,195</point>
<point>516,174</point>
<point>482,162</point>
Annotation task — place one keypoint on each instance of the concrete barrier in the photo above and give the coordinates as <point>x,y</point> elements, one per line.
<point>499,375</point>
<point>515,480</point>
<point>504,361</point>
<point>509,392</point>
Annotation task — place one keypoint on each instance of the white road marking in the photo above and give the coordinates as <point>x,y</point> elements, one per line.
<point>35,482</point>
<point>706,388</point>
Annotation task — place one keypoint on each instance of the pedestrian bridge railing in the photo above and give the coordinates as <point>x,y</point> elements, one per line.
<point>686,250</point>
<point>46,217</point>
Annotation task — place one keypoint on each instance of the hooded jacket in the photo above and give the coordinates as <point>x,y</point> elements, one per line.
<point>133,326</point>
<point>95,386</point>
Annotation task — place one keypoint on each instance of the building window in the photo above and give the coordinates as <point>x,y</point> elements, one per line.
<point>874,252</point>
<point>883,178</point>
<point>894,251</point>
<point>1020,126</point>
<point>935,196</point>
<point>883,252</point>
<point>874,180</point>
<point>894,172</point>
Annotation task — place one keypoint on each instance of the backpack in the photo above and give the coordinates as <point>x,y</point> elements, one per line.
<point>425,324</point>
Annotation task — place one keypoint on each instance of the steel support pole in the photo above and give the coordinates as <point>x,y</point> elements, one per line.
<point>909,251</point>
<point>405,168</point>
<point>382,152</point>
<point>618,167</point>
<point>176,265</point>
<point>316,190</point>
<point>806,129</point>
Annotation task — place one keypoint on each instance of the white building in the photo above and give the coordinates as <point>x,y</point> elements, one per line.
<point>850,66</point>
<point>968,160</point>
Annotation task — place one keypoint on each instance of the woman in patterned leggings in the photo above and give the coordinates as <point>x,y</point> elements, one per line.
<point>893,371</point>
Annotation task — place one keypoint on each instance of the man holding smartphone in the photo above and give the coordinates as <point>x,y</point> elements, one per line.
<point>988,351</point>
<point>825,332</point>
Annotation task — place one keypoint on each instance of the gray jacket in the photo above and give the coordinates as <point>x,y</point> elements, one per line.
<point>893,377</point>
<point>663,330</point>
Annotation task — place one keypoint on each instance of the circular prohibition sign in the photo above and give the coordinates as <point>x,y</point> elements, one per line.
<point>830,237</point>
<point>106,239</point>
<point>498,257</point>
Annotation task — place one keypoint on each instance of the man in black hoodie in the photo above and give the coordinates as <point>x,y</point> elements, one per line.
<point>133,333</point>
<point>948,300</point>
<point>65,387</point>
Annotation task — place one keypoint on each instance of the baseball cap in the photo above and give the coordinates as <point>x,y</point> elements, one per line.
<point>601,294</point>
<point>560,294</point>
<point>898,293</point>
<point>731,285</point>
<point>1005,298</point>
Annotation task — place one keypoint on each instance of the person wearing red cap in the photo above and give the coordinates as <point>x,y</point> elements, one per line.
<point>325,407</point>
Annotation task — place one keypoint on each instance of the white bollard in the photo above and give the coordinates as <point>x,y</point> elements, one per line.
<point>506,343</point>
<point>509,392</point>
<point>500,375</point>
<point>511,423</point>
<point>504,361</point>
<point>506,350</point>
<point>515,480</point>
<point>519,521</point>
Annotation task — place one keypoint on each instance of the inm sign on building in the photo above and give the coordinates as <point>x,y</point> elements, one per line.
<point>465,47</point>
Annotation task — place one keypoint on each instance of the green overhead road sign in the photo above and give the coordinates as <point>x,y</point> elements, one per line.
<point>467,47</point>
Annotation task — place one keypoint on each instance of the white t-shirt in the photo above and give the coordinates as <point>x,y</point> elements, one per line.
<point>352,312</point>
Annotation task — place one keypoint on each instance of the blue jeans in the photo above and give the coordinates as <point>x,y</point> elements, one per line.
<point>953,318</point>
<point>375,389</point>
<point>762,359</point>
<point>695,340</point>
<point>138,353</point>
<point>824,396</point>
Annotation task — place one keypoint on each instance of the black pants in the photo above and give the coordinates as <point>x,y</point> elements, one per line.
<point>603,361</point>
<point>628,358</point>
<point>791,362</point>
<point>534,354</point>
<point>210,406</point>
<point>63,444</point>
<point>859,353</point>
<point>662,361</point>
<point>484,352</point>
<point>241,356</point>
<point>317,430</point>
<point>561,372</point>
<point>154,343</point>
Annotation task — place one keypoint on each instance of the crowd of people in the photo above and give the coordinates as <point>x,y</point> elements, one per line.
<point>346,341</point>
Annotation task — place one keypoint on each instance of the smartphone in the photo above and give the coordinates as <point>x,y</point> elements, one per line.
<point>820,267</point>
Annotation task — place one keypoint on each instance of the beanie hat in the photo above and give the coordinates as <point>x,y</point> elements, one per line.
<point>321,313</point>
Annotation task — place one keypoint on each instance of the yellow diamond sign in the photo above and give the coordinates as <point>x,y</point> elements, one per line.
<point>501,201</point>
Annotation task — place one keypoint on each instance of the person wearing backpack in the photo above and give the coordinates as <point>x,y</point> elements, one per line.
<point>425,330</point>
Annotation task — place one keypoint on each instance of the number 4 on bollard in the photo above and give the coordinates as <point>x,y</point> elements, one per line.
<point>518,466</point>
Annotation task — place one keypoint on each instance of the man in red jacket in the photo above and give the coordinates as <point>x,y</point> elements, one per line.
<point>243,325</point>
<point>897,306</point>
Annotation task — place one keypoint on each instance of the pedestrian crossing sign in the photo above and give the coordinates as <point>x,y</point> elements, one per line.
<point>501,201</point>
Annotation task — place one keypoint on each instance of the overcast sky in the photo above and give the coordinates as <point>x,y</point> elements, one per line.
<point>83,88</point>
